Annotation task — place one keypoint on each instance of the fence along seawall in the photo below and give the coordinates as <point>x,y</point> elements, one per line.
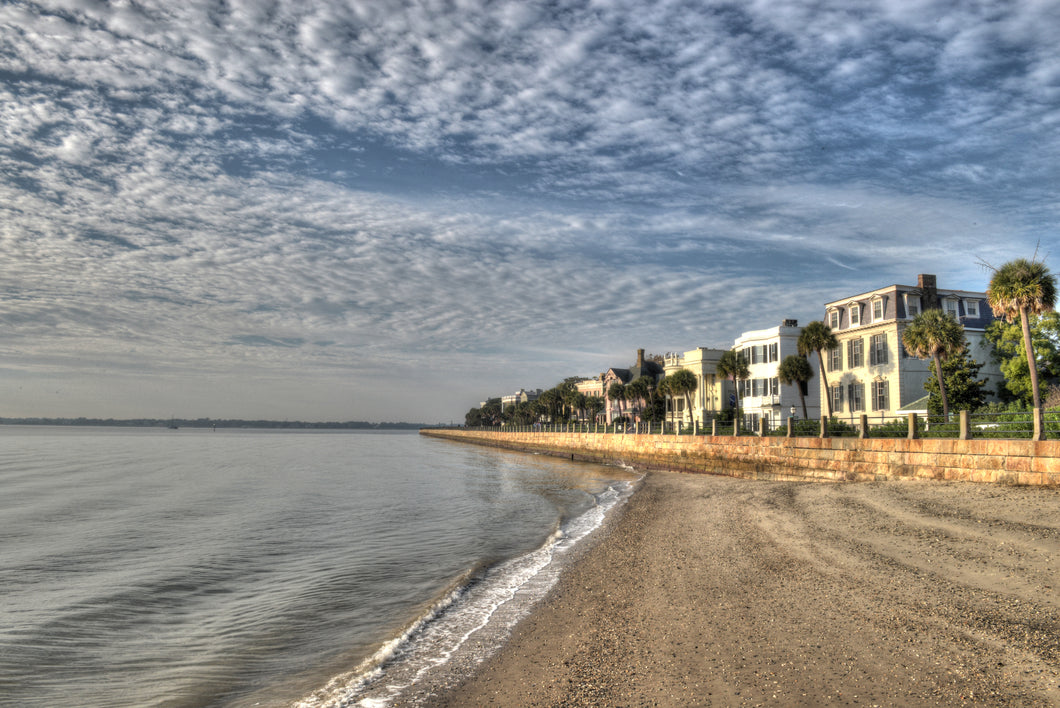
<point>1023,462</point>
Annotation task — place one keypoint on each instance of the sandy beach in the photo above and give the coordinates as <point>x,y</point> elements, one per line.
<point>714,591</point>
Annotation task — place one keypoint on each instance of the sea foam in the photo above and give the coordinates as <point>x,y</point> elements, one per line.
<point>470,622</point>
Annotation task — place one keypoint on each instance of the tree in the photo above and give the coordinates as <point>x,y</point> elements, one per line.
<point>573,399</point>
<point>593,406</point>
<point>617,392</point>
<point>796,371</point>
<point>640,389</point>
<point>663,389</point>
<point>551,402</point>
<point>1023,288</point>
<point>1010,353</point>
<point>935,335</point>
<point>964,389</point>
<point>683,383</point>
<point>817,337</point>
<point>489,415</point>
<point>734,367</point>
<point>473,418</point>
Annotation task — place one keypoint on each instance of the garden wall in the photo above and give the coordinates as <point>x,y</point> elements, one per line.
<point>821,459</point>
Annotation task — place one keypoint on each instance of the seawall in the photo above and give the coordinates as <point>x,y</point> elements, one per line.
<point>818,459</point>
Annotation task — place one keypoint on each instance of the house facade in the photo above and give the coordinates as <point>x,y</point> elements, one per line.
<point>593,388</point>
<point>761,395</point>
<point>628,409</point>
<point>521,396</point>
<point>712,392</point>
<point>870,371</point>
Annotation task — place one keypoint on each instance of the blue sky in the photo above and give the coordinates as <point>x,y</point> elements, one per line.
<point>346,209</point>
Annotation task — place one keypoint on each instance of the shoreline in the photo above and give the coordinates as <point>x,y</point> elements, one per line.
<point>708,590</point>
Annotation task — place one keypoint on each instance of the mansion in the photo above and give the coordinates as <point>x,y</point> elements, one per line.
<point>868,373</point>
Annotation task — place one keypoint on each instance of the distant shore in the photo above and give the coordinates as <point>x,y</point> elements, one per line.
<point>720,591</point>
<point>211,423</point>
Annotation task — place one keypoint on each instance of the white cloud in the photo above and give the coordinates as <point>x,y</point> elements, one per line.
<point>348,189</point>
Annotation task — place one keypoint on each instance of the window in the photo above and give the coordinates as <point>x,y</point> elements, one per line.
<point>833,319</point>
<point>877,309</point>
<point>912,305</point>
<point>878,349</point>
<point>835,359</point>
<point>879,396</point>
<point>971,307</point>
<point>855,357</point>
<point>855,315</point>
<point>951,308</point>
<point>774,352</point>
<point>837,398</point>
<point>856,394</point>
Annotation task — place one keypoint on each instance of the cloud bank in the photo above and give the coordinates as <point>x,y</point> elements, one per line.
<point>341,210</point>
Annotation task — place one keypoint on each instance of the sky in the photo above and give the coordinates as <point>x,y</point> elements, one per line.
<point>392,209</point>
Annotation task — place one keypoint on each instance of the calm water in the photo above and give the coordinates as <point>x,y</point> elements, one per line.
<point>236,568</point>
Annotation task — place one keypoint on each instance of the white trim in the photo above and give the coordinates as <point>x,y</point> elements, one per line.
<point>912,301</point>
<point>883,308</point>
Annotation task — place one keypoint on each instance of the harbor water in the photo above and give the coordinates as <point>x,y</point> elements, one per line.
<point>153,567</point>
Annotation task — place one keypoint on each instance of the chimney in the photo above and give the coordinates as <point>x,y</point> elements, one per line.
<point>791,323</point>
<point>928,293</point>
<point>640,358</point>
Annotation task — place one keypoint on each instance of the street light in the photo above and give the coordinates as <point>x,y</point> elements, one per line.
<point>792,411</point>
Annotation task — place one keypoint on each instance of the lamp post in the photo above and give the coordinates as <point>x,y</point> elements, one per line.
<point>791,412</point>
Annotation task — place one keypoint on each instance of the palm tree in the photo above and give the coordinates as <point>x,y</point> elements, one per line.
<point>935,335</point>
<point>1022,288</point>
<point>550,401</point>
<point>617,392</point>
<point>593,406</point>
<point>663,389</point>
<point>817,337</point>
<point>795,370</point>
<point>734,367</point>
<point>639,389</point>
<point>683,383</point>
<point>573,399</point>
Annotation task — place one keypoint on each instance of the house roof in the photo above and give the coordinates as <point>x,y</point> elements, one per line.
<point>918,406</point>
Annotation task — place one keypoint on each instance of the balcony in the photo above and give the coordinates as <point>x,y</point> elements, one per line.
<point>760,401</point>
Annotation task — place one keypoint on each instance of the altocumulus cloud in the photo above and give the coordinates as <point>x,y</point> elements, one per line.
<point>390,210</point>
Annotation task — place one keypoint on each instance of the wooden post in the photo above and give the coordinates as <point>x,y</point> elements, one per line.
<point>1039,425</point>
<point>914,431</point>
<point>966,428</point>
<point>713,427</point>
<point>864,432</point>
<point>791,427</point>
<point>824,427</point>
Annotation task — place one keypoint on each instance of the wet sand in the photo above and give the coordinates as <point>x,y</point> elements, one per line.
<point>714,591</point>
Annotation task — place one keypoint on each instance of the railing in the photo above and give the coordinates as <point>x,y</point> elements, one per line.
<point>964,425</point>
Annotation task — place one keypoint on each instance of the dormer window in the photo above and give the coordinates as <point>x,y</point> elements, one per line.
<point>855,314</point>
<point>877,309</point>
<point>912,305</point>
<point>971,308</point>
<point>951,308</point>
<point>833,319</point>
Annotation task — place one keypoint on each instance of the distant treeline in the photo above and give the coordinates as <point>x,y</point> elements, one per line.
<point>212,423</point>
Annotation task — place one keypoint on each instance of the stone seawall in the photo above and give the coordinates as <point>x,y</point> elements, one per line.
<point>820,459</point>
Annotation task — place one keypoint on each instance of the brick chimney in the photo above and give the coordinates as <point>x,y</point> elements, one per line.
<point>929,294</point>
<point>640,358</point>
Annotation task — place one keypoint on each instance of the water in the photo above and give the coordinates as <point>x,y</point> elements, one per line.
<point>150,567</point>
